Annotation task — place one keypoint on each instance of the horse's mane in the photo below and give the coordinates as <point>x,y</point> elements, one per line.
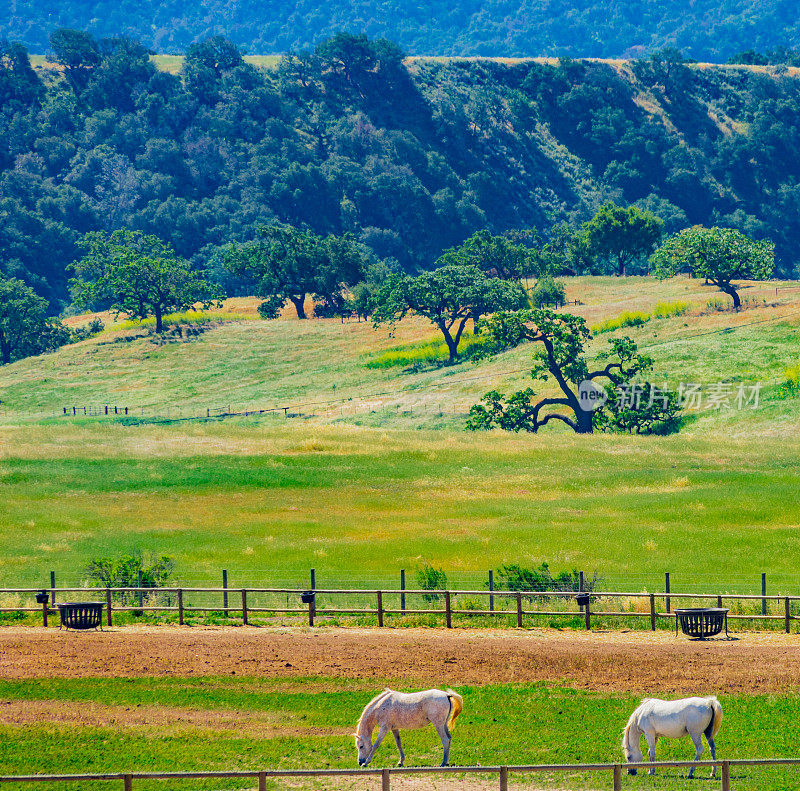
<point>370,706</point>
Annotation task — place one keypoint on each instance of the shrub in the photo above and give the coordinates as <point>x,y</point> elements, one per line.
<point>123,572</point>
<point>270,308</point>
<point>430,578</point>
<point>791,383</point>
<point>514,577</point>
<point>548,292</point>
<point>628,318</point>
<point>666,310</point>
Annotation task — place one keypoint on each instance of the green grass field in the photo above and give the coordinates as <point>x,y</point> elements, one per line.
<point>376,473</point>
<point>179,724</point>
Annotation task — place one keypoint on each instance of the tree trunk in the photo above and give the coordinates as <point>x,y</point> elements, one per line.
<point>299,306</point>
<point>452,345</point>
<point>159,322</point>
<point>734,294</point>
<point>584,421</point>
<point>5,349</point>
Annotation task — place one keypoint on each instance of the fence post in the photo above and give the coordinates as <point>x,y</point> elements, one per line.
<point>380,607</point>
<point>384,780</point>
<point>726,776</point>
<point>519,608</point>
<point>312,610</point>
<point>139,585</point>
<point>787,615</point>
<point>180,606</point>
<point>108,605</point>
<point>491,588</point>
<point>617,777</point>
<point>447,613</point>
<point>244,606</point>
<point>53,587</point>
<point>403,589</point>
<point>580,586</point>
<point>652,612</point>
<point>44,613</point>
<point>313,579</point>
<point>262,781</point>
<point>587,614</point>
<point>127,781</point>
<point>503,778</point>
<point>666,589</point>
<point>763,593</point>
<point>225,591</point>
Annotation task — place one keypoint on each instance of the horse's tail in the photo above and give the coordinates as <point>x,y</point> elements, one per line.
<point>456,707</point>
<point>716,719</point>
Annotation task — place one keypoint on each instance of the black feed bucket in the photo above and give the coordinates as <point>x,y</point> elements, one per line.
<point>42,597</point>
<point>307,597</point>
<point>582,599</point>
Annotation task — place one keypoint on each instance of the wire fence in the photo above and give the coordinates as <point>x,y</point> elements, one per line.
<point>379,607</point>
<point>613,773</point>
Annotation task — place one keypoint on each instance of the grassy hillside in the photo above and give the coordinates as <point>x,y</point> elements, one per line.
<point>358,485</point>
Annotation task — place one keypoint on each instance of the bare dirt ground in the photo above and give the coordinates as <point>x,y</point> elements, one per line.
<point>753,663</point>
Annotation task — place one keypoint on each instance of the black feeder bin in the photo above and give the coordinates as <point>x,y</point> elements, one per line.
<point>308,597</point>
<point>81,615</point>
<point>42,597</point>
<point>583,599</point>
<point>702,622</point>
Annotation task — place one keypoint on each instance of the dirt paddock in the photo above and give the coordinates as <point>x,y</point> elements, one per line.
<point>625,661</point>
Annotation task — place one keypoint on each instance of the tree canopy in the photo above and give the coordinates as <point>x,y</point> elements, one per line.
<point>290,263</point>
<point>720,255</point>
<point>582,404</point>
<point>448,297</point>
<point>137,274</point>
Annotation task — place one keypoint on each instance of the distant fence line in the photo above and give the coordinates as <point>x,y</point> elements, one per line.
<point>239,603</point>
<point>502,772</point>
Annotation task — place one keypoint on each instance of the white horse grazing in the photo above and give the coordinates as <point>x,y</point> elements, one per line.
<point>672,719</point>
<point>391,711</point>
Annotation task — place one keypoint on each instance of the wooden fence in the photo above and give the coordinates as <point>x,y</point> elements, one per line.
<point>233,603</point>
<point>614,772</point>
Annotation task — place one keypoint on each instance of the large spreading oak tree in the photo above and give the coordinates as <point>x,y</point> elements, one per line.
<point>138,274</point>
<point>289,263</point>
<point>562,340</point>
<point>721,255</point>
<point>448,297</point>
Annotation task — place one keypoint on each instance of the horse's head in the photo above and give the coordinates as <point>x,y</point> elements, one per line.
<point>631,746</point>
<point>363,746</point>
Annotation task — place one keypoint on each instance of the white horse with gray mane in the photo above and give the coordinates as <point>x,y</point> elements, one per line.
<point>672,719</point>
<point>391,711</point>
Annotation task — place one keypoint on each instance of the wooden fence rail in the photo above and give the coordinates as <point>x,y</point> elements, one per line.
<point>613,771</point>
<point>440,602</point>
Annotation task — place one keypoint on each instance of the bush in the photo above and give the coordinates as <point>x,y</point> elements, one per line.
<point>429,578</point>
<point>425,352</point>
<point>123,572</point>
<point>791,383</point>
<point>270,308</point>
<point>628,318</point>
<point>514,577</point>
<point>548,292</point>
<point>666,310</point>
<point>94,327</point>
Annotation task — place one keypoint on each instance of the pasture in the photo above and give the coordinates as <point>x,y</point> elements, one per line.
<point>264,711</point>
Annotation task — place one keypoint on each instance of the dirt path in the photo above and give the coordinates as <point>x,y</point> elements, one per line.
<point>625,661</point>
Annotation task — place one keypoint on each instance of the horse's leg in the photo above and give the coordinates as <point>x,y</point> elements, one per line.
<point>698,746</point>
<point>445,736</point>
<point>713,748</point>
<point>651,750</point>
<point>399,744</point>
<point>381,733</point>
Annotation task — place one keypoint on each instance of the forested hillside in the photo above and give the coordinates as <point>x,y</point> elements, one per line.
<point>411,156</point>
<point>704,29</point>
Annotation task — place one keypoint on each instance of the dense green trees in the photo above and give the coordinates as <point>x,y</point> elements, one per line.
<point>721,255</point>
<point>137,274</point>
<point>706,29</point>
<point>411,159</point>
<point>25,327</point>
